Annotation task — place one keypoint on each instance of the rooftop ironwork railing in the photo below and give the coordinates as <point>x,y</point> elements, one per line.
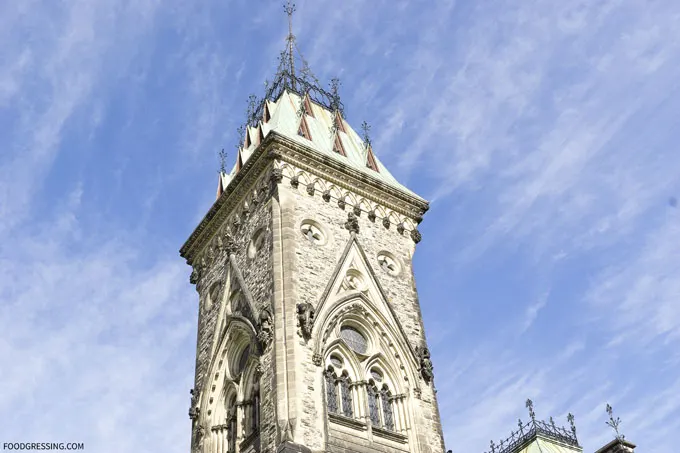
<point>533,428</point>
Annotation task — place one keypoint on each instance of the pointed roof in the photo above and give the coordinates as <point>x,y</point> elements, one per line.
<point>295,102</point>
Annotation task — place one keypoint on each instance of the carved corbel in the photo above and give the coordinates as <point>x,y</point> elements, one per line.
<point>371,215</point>
<point>294,182</point>
<point>305,317</point>
<point>426,368</point>
<point>352,223</point>
<point>400,228</point>
<point>265,332</point>
<point>386,222</point>
<point>416,236</point>
<point>326,196</point>
<point>310,189</point>
<point>357,211</point>
<point>276,176</point>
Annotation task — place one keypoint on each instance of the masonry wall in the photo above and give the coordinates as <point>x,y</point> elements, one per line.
<point>311,268</point>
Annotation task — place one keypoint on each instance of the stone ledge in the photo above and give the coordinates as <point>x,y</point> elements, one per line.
<point>391,435</point>
<point>346,421</point>
<point>291,447</point>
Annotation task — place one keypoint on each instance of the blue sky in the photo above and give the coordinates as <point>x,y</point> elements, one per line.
<point>544,133</point>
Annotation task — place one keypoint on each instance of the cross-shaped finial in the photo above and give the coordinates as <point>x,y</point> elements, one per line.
<point>530,406</point>
<point>519,423</point>
<point>223,160</point>
<point>251,110</point>
<point>614,423</point>
<point>493,447</point>
<point>570,419</point>
<point>366,128</point>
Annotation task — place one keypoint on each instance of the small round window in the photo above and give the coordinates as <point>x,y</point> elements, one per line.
<point>388,263</point>
<point>354,339</point>
<point>312,232</point>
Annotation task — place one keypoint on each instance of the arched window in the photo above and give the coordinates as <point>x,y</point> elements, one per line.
<point>380,408</point>
<point>338,392</point>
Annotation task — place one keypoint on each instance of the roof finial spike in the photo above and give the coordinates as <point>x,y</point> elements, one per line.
<point>570,419</point>
<point>366,128</point>
<point>289,8</point>
<point>223,160</point>
<point>614,423</point>
<point>530,406</point>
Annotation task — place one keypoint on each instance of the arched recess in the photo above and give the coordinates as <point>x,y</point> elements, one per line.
<point>385,403</point>
<point>381,328</point>
<point>221,410</point>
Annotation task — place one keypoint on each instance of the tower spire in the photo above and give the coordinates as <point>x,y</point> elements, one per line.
<point>289,8</point>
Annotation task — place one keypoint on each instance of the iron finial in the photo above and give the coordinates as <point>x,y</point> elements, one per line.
<point>493,447</point>
<point>289,8</point>
<point>223,160</point>
<point>530,406</point>
<point>366,128</point>
<point>570,419</point>
<point>552,423</point>
<point>521,426</point>
<point>614,423</point>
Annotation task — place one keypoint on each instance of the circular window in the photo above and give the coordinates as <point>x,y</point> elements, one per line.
<point>243,359</point>
<point>336,361</point>
<point>256,243</point>
<point>388,263</point>
<point>354,339</point>
<point>376,375</point>
<point>313,232</point>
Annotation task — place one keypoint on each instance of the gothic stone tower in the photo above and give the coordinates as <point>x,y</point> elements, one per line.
<point>310,336</point>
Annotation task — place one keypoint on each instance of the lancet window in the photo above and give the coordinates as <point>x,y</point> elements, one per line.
<point>380,405</point>
<point>338,392</point>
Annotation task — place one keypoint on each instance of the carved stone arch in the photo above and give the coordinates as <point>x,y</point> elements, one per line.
<point>365,205</point>
<point>350,198</point>
<point>288,171</point>
<point>394,218</point>
<point>385,337</point>
<point>238,332</point>
<point>390,370</point>
<point>339,347</point>
<point>409,224</point>
<point>320,185</point>
<point>303,177</point>
<point>380,212</point>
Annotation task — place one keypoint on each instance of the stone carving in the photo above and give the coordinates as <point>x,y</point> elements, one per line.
<point>357,211</point>
<point>352,223</point>
<point>193,407</point>
<point>341,203</point>
<point>310,189</point>
<point>417,392</point>
<point>236,223</point>
<point>266,328</point>
<point>305,316</point>
<point>371,215</point>
<point>294,182</point>
<point>276,176</point>
<point>326,196</point>
<point>195,275</point>
<point>416,236</point>
<point>400,228</point>
<point>317,359</point>
<point>229,245</point>
<point>386,222</point>
<point>426,368</point>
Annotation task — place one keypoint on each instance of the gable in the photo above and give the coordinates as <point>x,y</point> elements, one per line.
<point>354,283</point>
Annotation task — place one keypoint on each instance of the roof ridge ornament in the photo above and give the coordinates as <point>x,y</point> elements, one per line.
<point>614,424</point>
<point>222,155</point>
<point>366,128</point>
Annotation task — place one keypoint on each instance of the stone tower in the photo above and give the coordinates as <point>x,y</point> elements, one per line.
<point>310,336</point>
